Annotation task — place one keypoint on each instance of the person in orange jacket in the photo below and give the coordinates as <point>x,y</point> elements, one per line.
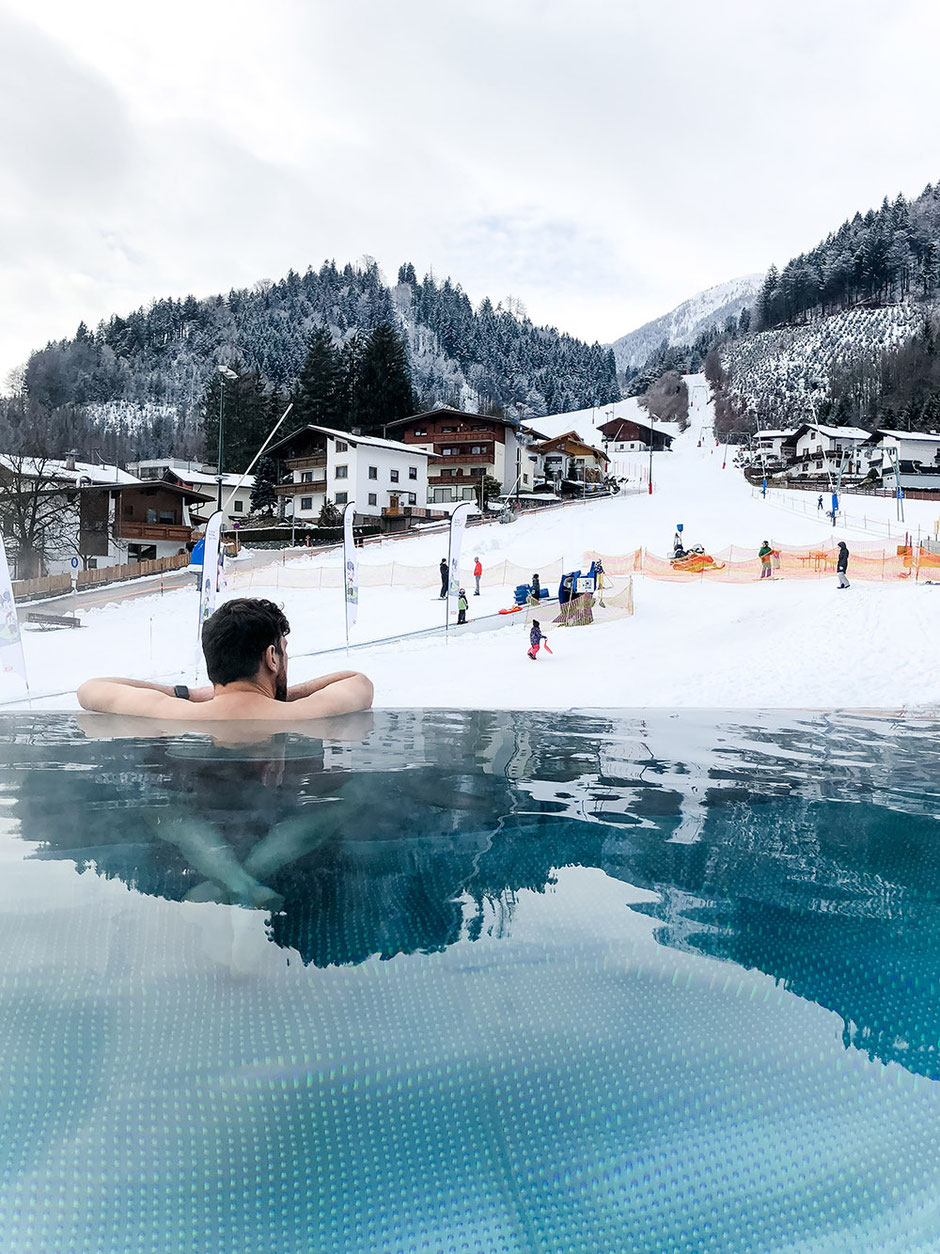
<point>477,572</point>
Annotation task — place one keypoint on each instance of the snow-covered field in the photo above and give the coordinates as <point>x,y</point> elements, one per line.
<point>771,643</point>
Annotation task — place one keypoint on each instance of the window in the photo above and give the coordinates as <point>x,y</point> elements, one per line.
<point>151,515</point>
<point>306,502</point>
<point>447,430</point>
<point>477,470</point>
<point>341,447</point>
<point>342,498</point>
<point>373,499</point>
<point>306,476</point>
<point>412,498</point>
<point>393,475</point>
<point>239,507</point>
<point>420,431</point>
<point>412,472</point>
<point>342,472</point>
<point>452,473</point>
<point>167,517</point>
<point>373,472</point>
<point>450,450</point>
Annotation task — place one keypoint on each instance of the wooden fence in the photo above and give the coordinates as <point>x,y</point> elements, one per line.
<point>56,585</point>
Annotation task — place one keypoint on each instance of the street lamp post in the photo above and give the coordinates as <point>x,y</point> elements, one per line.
<point>651,459</point>
<point>226,374</point>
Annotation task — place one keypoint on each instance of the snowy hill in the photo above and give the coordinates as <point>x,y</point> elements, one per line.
<point>771,373</point>
<point>684,323</point>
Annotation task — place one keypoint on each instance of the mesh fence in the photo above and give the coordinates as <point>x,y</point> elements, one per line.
<point>868,560</point>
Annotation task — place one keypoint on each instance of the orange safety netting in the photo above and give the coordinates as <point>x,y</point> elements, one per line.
<point>735,564</point>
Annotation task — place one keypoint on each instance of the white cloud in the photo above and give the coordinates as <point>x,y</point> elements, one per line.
<point>599,163</point>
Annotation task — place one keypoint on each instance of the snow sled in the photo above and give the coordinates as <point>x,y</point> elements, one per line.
<point>694,560</point>
<point>513,609</point>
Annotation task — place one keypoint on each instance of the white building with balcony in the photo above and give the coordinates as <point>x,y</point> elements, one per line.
<point>383,477</point>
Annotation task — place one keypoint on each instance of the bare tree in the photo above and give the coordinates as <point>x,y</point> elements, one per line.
<point>39,513</point>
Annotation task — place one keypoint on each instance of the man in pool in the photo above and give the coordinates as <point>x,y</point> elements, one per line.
<point>245,645</point>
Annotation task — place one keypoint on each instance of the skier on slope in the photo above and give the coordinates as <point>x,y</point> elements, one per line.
<point>765,553</point>
<point>462,605</point>
<point>445,579</point>
<point>536,636</point>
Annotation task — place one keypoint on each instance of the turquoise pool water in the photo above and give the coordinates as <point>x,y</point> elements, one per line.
<point>472,981</point>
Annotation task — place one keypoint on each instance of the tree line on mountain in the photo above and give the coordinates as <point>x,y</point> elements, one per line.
<point>669,358</point>
<point>488,358</point>
<point>886,255</point>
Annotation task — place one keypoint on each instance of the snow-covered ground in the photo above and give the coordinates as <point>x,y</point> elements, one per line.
<point>772,643</point>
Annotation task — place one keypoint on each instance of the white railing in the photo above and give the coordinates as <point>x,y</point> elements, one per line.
<point>796,503</point>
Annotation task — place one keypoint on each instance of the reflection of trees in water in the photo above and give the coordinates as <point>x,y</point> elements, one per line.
<point>811,855</point>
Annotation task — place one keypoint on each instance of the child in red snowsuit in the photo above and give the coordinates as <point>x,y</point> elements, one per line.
<point>535,639</point>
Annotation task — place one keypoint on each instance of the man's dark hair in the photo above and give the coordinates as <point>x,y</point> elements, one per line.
<point>235,637</point>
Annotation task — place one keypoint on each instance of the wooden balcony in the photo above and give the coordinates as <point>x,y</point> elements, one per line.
<point>465,459</point>
<point>306,463</point>
<point>301,489</point>
<point>461,477</point>
<point>171,532</point>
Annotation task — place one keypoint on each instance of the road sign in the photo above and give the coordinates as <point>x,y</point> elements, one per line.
<point>74,563</point>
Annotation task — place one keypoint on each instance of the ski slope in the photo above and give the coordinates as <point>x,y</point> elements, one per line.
<point>766,644</point>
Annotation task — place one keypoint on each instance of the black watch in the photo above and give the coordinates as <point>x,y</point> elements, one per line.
<point>181,691</point>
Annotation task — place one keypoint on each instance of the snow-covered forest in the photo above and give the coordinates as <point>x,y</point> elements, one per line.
<point>152,368</point>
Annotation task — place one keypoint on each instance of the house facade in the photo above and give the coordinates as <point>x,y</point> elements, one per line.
<point>383,477</point>
<point>633,435</point>
<point>101,514</point>
<point>914,456</point>
<point>813,451</point>
<point>567,459</point>
<point>467,449</point>
<point>767,447</point>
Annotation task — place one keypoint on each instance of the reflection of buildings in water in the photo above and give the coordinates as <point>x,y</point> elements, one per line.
<point>427,831</point>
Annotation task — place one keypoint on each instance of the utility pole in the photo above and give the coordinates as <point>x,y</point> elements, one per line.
<point>226,373</point>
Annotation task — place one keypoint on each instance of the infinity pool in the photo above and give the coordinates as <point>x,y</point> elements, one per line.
<point>472,981</point>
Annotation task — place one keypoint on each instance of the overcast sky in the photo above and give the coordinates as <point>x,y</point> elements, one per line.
<point>598,161</point>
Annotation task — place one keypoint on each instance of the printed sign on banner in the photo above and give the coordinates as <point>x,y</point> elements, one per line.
<point>350,568</point>
<point>211,570</point>
<point>458,521</point>
<point>12,661</point>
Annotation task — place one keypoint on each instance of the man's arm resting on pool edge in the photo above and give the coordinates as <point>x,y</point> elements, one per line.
<point>351,691</point>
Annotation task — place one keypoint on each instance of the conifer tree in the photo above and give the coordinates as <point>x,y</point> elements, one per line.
<point>317,394</point>
<point>263,494</point>
<point>244,417</point>
<point>383,391</point>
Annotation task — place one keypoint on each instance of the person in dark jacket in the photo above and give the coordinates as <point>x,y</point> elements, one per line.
<point>842,565</point>
<point>462,606</point>
<point>535,639</point>
<point>444,578</point>
<point>536,594</point>
<point>765,553</point>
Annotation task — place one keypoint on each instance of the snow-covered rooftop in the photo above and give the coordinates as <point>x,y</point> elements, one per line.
<point>373,441</point>
<point>775,435</point>
<point>55,468</point>
<point>910,435</point>
<point>228,481</point>
<point>839,433</point>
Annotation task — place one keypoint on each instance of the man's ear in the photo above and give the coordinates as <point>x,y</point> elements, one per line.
<point>272,659</point>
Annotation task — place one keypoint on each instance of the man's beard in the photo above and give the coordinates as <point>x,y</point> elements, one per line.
<point>280,688</point>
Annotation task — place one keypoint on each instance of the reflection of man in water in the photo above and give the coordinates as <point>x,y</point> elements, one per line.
<point>245,646</point>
